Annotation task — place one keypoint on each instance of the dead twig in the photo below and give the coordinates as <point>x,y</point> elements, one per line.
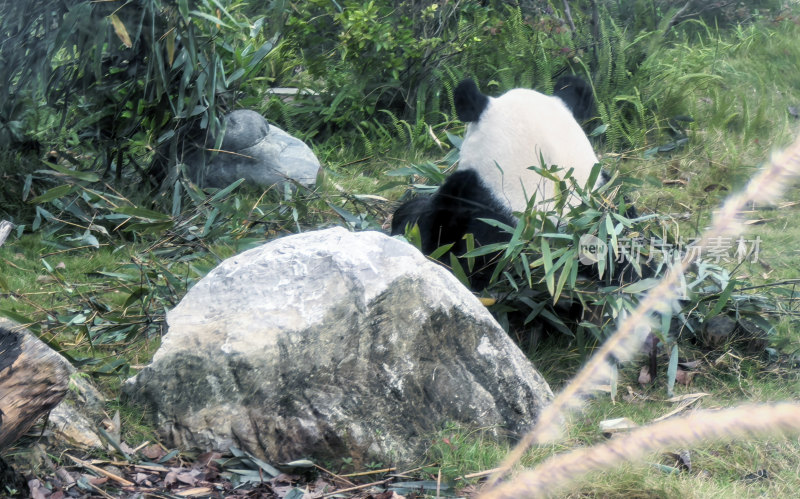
<point>101,471</point>
<point>371,472</point>
<point>568,15</point>
<point>334,475</point>
<point>478,474</point>
<point>358,487</point>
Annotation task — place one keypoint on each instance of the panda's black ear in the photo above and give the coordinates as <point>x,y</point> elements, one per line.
<point>577,94</point>
<point>469,101</point>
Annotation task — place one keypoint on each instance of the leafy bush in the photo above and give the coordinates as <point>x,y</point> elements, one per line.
<point>129,79</point>
<point>544,279</point>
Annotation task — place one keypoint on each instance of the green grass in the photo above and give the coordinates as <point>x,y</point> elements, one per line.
<point>52,292</point>
<point>718,469</point>
<point>50,289</point>
<point>738,88</point>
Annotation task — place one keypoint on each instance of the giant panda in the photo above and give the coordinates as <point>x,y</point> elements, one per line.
<point>505,136</point>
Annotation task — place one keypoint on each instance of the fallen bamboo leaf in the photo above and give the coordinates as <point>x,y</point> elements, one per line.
<point>119,29</point>
<point>689,396</point>
<point>681,406</point>
<point>610,426</point>
<point>195,491</point>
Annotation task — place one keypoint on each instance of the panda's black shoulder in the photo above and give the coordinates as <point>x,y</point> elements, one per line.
<point>469,101</point>
<point>469,193</point>
<point>414,211</point>
<point>457,208</point>
<point>577,94</point>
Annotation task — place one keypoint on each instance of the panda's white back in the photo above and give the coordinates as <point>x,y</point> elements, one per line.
<point>513,133</point>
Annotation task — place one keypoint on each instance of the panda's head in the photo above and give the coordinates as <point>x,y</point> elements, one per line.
<point>506,135</point>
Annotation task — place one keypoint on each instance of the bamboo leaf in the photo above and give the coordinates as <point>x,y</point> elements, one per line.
<point>640,286</point>
<point>87,176</point>
<point>527,269</point>
<point>135,296</point>
<point>171,46</point>
<point>486,250</point>
<point>613,233</point>
<point>141,213</point>
<point>438,252</point>
<point>119,29</point>
<point>54,193</point>
<point>216,20</point>
<point>259,55</point>
<point>556,322</point>
<point>565,273</point>
<point>548,267</point>
<point>458,270</point>
<point>723,299</point>
<point>498,224</point>
<point>672,370</point>
<point>514,243</point>
<point>469,239</point>
<point>224,11</point>
<point>183,7</point>
<point>227,190</point>
<point>414,237</point>
<point>234,76</point>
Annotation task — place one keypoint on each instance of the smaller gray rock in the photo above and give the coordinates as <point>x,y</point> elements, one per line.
<point>76,419</point>
<point>244,129</point>
<point>262,154</point>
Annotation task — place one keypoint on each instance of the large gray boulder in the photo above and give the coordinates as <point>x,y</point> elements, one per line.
<point>332,344</point>
<point>261,153</point>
